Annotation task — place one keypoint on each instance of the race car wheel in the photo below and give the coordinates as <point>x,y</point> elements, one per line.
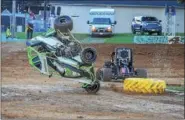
<point>88,55</point>
<point>63,24</point>
<point>141,73</point>
<point>106,74</point>
<point>94,88</point>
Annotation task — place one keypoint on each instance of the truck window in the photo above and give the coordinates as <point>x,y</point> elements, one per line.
<point>58,10</point>
<point>149,19</point>
<point>53,10</point>
<point>101,21</point>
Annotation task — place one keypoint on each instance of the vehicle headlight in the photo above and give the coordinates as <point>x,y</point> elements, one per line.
<point>159,25</point>
<point>109,29</point>
<point>93,28</point>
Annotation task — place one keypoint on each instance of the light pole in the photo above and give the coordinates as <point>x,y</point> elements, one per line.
<point>13,25</point>
<point>45,3</point>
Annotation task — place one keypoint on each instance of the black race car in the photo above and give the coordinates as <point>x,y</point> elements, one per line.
<point>120,67</point>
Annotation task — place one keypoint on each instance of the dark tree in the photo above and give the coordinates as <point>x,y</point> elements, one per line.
<point>180,1</point>
<point>7,4</point>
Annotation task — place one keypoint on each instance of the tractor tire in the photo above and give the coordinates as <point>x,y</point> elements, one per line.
<point>88,55</point>
<point>94,88</point>
<point>141,73</point>
<point>144,86</point>
<point>106,74</point>
<point>63,24</point>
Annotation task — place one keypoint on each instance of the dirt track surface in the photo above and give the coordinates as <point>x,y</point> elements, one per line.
<point>26,94</point>
<point>165,62</point>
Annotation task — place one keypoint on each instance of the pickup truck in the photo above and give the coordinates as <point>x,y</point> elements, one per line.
<point>148,24</point>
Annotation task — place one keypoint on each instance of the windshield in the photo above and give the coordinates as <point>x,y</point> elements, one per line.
<point>149,19</point>
<point>101,21</point>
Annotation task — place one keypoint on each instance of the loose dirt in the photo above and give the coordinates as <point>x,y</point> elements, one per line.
<point>27,94</point>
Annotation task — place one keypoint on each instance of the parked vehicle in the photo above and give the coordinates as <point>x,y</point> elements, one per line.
<point>148,24</point>
<point>101,22</point>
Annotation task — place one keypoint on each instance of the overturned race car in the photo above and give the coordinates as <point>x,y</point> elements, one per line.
<point>60,53</point>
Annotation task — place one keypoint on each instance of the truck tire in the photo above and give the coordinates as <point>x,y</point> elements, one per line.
<point>141,73</point>
<point>106,74</point>
<point>133,31</point>
<point>159,33</point>
<point>88,55</point>
<point>150,33</point>
<point>63,24</point>
<point>142,31</point>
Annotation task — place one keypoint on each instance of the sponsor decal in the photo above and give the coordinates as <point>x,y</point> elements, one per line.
<point>158,40</point>
<point>150,39</point>
<point>101,13</point>
<point>175,40</point>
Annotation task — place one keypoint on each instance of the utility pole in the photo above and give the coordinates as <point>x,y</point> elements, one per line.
<point>170,14</point>
<point>13,25</point>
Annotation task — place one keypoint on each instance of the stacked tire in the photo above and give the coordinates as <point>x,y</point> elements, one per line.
<point>144,86</point>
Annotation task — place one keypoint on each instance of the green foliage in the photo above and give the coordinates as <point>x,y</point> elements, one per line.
<point>177,88</point>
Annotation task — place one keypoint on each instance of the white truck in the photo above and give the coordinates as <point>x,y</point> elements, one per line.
<point>101,22</point>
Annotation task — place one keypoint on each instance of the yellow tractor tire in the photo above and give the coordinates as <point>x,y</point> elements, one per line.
<point>144,86</point>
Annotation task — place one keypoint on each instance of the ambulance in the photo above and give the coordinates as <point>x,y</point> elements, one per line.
<point>101,22</point>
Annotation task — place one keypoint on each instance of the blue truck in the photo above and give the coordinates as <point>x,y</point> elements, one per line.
<point>148,24</point>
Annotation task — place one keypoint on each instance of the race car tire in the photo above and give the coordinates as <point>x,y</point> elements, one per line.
<point>141,73</point>
<point>63,24</point>
<point>94,88</point>
<point>88,55</point>
<point>106,74</point>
